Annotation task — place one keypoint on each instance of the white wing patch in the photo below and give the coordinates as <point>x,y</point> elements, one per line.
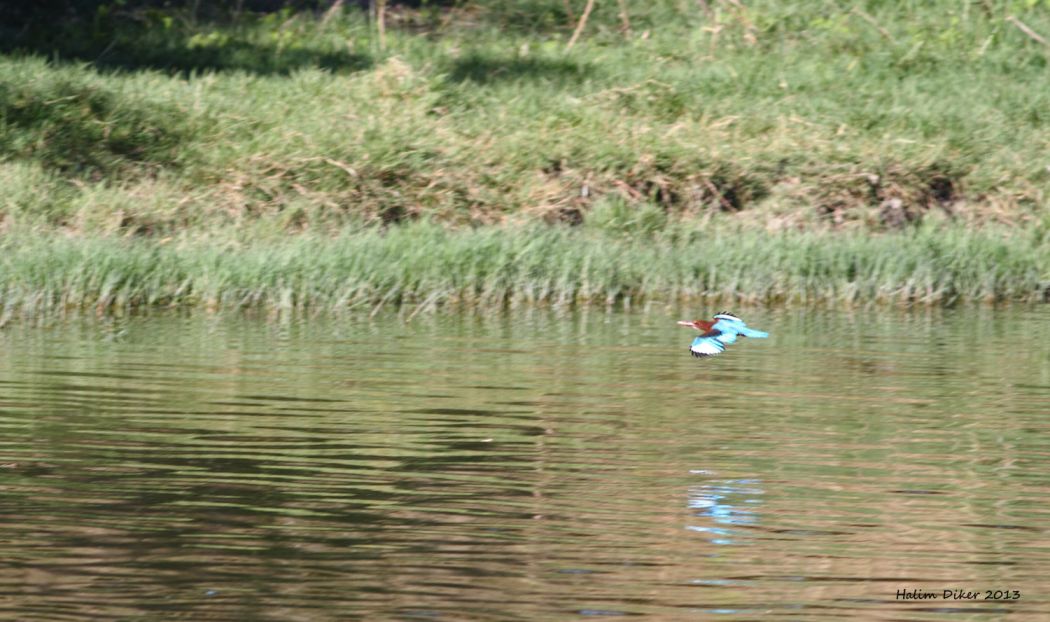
<point>706,347</point>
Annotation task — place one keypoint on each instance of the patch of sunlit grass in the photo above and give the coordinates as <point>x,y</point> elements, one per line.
<point>812,117</point>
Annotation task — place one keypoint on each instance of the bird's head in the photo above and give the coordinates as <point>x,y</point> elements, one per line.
<point>700,325</point>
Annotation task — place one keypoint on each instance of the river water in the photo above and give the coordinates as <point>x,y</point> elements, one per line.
<point>527,466</point>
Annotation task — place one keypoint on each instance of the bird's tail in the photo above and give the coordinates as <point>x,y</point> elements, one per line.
<point>754,334</point>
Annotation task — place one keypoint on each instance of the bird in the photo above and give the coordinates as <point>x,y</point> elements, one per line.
<point>718,332</point>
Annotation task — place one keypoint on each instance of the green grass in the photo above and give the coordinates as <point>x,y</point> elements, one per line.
<point>430,266</point>
<point>902,142</point>
<point>801,117</point>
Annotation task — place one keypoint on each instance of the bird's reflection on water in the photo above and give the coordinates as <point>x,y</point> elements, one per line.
<point>728,504</point>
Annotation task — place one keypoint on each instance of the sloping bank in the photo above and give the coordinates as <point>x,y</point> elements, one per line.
<point>431,267</point>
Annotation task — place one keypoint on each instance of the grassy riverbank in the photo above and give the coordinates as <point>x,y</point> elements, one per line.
<point>720,153</point>
<point>426,266</point>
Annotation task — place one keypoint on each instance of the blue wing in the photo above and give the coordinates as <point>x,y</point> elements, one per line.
<point>754,334</point>
<point>730,324</point>
<point>707,345</point>
<point>727,337</point>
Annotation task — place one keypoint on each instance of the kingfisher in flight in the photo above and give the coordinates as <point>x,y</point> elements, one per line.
<point>718,332</point>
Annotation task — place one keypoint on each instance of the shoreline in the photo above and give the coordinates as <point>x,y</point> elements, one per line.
<point>427,267</point>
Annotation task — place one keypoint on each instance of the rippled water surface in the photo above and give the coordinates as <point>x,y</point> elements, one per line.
<point>526,467</point>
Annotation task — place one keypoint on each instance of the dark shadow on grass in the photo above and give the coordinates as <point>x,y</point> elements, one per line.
<point>158,41</point>
<point>177,56</point>
<point>485,70</point>
<point>87,132</point>
<point>233,56</point>
<point>533,17</point>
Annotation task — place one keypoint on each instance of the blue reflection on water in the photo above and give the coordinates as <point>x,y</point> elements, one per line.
<point>728,503</point>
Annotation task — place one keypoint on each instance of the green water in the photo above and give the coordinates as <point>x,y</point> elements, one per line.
<point>526,467</point>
